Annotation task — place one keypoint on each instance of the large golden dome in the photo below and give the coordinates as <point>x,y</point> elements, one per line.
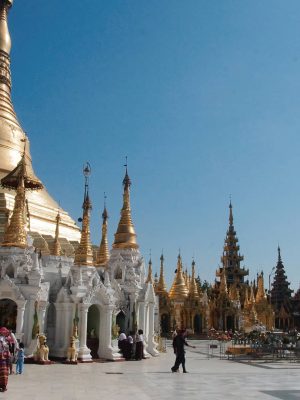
<point>42,208</point>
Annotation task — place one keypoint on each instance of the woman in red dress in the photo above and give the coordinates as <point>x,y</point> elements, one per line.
<point>4,365</point>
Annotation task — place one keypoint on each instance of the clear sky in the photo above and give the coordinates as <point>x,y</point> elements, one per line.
<point>202,96</point>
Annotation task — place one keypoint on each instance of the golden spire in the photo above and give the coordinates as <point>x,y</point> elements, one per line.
<point>193,287</point>
<point>161,285</point>
<point>15,234</point>
<point>149,277</point>
<point>84,253</point>
<point>125,237</point>
<point>178,290</point>
<point>19,180</point>
<point>260,295</point>
<point>103,255</point>
<point>57,246</point>
<point>6,107</point>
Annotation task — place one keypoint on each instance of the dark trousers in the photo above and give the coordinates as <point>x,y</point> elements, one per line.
<point>180,359</point>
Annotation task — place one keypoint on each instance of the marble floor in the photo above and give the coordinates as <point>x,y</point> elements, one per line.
<point>208,378</point>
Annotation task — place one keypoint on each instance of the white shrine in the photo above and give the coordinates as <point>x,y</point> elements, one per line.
<point>90,294</point>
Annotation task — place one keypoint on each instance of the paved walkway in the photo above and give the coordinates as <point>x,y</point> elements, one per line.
<point>152,379</point>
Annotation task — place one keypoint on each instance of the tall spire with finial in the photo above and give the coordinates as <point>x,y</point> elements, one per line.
<point>149,277</point>
<point>231,258</point>
<point>57,246</point>
<point>103,255</point>
<point>178,290</point>
<point>161,286</point>
<point>125,237</point>
<point>15,234</point>
<point>193,289</point>
<point>280,292</point>
<point>19,179</point>
<point>84,253</point>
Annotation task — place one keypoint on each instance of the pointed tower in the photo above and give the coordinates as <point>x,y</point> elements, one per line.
<point>42,207</point>
<point>56,245</point>
<point>103,255</point>
<point>260,294</point>
<point>280,292</point>
<point>161,285</point>
<point>125,237</point>
<point>178,290</point>
<point>149,277</point>
<point>19,179</point>
<point>193,288</point>
<point>231,258</point>
<point>84,252</point>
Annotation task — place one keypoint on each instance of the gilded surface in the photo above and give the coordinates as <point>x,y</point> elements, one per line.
<point>125,237</point>
<point>84,252</point>
<point>42,207</point>
<point>178,291</point>
<point>103,255</point>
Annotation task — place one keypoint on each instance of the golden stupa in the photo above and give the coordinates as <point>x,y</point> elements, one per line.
<point>42,209</point>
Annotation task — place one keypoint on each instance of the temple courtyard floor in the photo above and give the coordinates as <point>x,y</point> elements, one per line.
<point>208,377</point>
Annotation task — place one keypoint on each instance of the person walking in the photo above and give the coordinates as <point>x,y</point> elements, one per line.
<point>20,359</point>
<point>4,365</point>
<point>178,345</point>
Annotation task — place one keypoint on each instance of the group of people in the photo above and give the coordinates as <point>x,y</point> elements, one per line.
<point>132,346</point>
<point>11,352</point>
<point>179,341</point>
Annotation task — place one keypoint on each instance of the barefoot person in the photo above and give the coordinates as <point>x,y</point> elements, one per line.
<point>178,344</point>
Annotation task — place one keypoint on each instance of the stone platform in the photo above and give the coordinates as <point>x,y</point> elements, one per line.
<point>208,378</point>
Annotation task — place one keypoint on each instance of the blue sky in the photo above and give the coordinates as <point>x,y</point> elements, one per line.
<point>203,98</point>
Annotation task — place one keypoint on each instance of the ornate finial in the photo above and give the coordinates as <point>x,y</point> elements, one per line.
<point>57,246</point>
<point>149,277</point>
<point>279,255</point>
<point>125,236</point>
<point>230,213</point>
<point>162,257</point>
<point>103,255</point>
<point>84,253</point>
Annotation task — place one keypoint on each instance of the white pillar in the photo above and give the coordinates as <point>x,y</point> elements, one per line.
<point>20,319</point>
<point>141,321</point>
<point>151,348</point>
<point>84,353</point>
<point>41,315</point>
<point>105,347</point>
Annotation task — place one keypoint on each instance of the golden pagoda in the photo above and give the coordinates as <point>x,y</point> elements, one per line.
<point>43,208</point>
<point>125,237</point>
<point>178,291</point>
<point>84,252</point>
<point>19,179</point>
<point>103,254</point>
<point>161,284</point>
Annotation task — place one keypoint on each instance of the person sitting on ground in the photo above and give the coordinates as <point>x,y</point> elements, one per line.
<point>122,342</point>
